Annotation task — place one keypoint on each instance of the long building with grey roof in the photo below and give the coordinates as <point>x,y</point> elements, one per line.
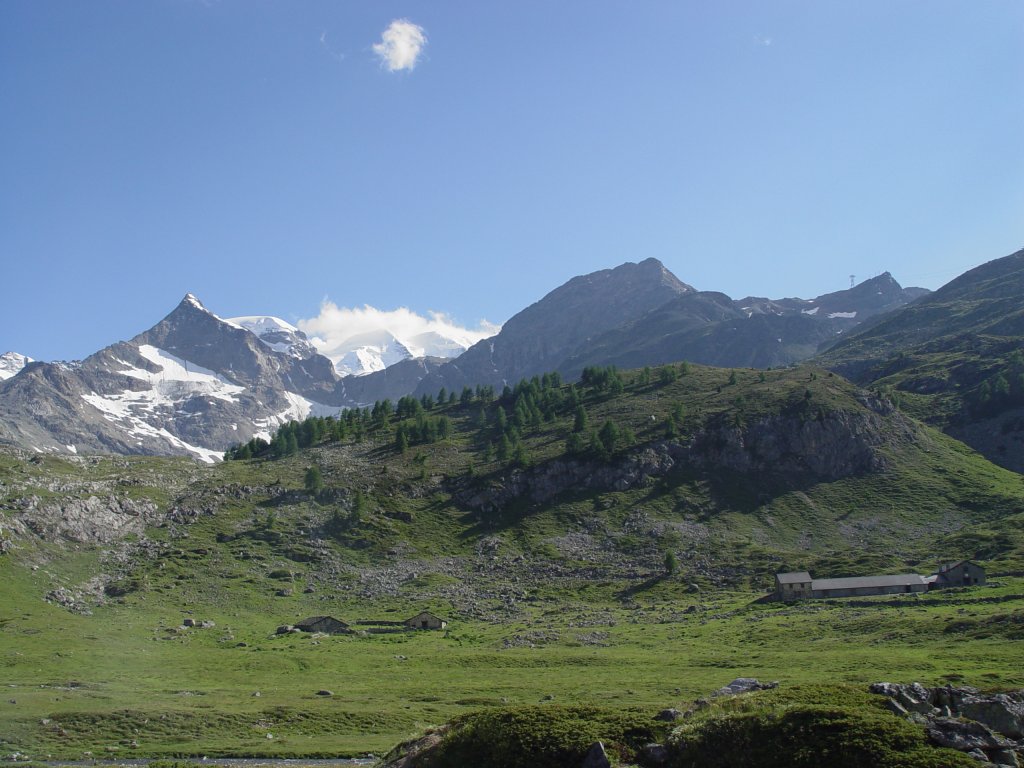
<point>799,586</point>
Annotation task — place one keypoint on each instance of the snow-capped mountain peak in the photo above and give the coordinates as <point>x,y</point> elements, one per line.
<point>11,363</point>
<point>371,351</point>
<point>279,335</point>
<point>190,298</point>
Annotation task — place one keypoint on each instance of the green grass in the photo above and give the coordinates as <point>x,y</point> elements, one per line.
<point>565,598</point>
<point>127,675</point>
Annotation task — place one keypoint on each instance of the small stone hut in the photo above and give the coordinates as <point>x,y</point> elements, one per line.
<point>962,573</point>
<point>326,624</point>
<point>793,586</point>
<point>425,620</point>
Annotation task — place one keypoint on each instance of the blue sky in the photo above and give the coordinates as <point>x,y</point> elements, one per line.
<point>263,156</point>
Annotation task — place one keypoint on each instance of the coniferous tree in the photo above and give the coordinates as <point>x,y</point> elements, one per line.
<point>609,436</point>
<point>520,457</point>
<point>580,421</point>
<point>314,481</point>
<point>671,564</point>
<point>504,448</point>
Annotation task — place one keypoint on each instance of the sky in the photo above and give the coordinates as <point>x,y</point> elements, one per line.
<point>459,160</point>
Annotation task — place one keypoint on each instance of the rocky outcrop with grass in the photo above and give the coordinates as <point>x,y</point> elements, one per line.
<point>745,724</point>
<point>989,727</point>
<point>795,446</point>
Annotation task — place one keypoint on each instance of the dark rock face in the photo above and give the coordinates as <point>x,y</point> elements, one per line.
<point>836,445</point>
<point>840,444</point>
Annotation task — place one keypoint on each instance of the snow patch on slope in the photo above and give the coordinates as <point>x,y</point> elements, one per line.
<point>179,378</point>
<point>177,381</point>
<point>128,409</point>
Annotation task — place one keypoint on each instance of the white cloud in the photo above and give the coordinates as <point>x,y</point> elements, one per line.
<point>337,330</point>
<point>401,45</point>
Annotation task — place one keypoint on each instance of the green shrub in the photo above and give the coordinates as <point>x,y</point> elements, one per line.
<point>808,737</point>
<point>540,737</point>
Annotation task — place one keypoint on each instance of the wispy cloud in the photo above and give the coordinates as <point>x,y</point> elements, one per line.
<point>328,49</point>
<point>763,40</point>
<point>401,45</point>
<point>336,330</point>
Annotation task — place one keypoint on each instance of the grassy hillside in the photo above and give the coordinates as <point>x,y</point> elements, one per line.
<point>953,359</point>
<point>546,553</point>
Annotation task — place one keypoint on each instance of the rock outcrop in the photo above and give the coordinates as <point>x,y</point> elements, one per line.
<point>829,446</point>
<point>986,726</point>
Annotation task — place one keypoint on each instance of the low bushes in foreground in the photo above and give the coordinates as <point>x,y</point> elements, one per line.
<point>801,727</point>
<point>808,737</point>
<point>542,736</point>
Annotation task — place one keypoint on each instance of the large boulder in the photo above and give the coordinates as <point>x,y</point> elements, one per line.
<point>1003,713</point>
<point>964,735</point>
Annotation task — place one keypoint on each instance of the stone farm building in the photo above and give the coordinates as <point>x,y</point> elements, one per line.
<point>326,624</point>
<point>962,573</point>
<point>800,586</point>
<point>425,620</point>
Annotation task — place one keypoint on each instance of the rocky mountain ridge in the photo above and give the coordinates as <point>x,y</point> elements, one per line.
<point>198,384</point>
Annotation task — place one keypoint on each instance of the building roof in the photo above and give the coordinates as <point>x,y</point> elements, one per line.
<point>795,577</point>
<point>950,566</point>
<point>861,582</point>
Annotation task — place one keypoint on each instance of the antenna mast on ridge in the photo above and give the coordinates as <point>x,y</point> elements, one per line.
<point>852,277</point>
